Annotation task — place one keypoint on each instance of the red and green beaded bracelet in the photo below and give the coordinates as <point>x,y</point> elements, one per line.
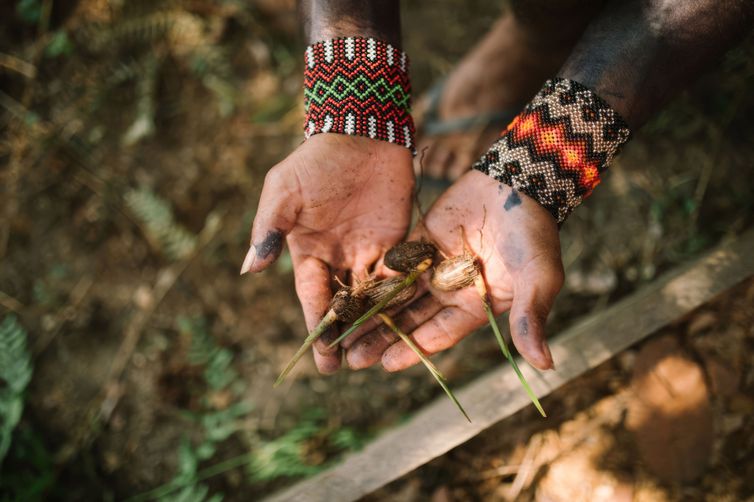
<point>358,86</point>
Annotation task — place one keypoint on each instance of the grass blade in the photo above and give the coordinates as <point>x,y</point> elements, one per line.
<point>326,322</point>
<point>482,289</point>
<point>424,359</point>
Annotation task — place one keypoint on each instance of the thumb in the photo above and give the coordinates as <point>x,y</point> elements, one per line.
<point>535,289</point>
<point>279,206</point>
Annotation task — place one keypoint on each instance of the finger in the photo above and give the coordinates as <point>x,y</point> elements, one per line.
<point>533,295</point>
<point>368,349</point>
<point>442,331</point>
<point>364,260</point>
<point>279,205</point>
<point>327,364</point>
<point>312,278</point>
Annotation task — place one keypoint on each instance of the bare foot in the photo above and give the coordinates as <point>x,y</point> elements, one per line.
<point>500,74</point>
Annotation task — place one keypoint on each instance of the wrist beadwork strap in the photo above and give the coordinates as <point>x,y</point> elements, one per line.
<point>358,86</point>
<point>556,149</point>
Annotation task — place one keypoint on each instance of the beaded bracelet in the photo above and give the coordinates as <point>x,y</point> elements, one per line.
<point>358,86</point>
<point>556,149</point>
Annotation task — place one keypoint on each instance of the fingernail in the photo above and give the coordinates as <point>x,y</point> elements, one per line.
<point>548,354</point>
<point>249,260</point>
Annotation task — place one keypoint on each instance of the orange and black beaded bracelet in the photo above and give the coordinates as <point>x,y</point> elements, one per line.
<point>358,86</point>
<point>557,148</point>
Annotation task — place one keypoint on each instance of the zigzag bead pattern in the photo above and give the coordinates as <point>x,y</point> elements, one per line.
<point>557,148</point>
<point>358,86</point>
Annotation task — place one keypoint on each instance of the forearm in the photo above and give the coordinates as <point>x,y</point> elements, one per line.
<point>637,54</point>
<point>326,19</point>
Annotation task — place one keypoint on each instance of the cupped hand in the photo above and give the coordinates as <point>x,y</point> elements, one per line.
<point>339,202</point>
<point>516,242</point>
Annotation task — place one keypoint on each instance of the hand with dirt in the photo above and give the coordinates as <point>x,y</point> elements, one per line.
<point>340,202</point>
<point>516,241</point>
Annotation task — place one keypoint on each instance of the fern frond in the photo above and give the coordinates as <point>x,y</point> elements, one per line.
<point>15,361</point>
<point>179,29</point>
<point>157,217</point>
<point>146,91</point>
<point>15,375</point>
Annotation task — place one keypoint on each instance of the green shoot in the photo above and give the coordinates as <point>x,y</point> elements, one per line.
<point>424,359</point>
<point>409,280</point>
<point>482,289</point>
<point>326,322</point>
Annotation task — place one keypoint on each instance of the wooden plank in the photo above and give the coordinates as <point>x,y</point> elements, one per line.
<point>438,427</point>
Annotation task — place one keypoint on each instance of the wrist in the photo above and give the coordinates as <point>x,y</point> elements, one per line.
<point>557,148</point>
<point>360,87</point>
<point>338,19</point>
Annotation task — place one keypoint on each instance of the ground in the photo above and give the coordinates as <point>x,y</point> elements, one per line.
<point>667,420</point>
<point>134,148</point>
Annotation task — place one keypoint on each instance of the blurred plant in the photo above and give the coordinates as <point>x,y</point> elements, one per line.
<point>59,45</point>
<point>302,451</point>
<point>299,452</point>
<point>147,36</point>
<point>29,474</point>
<point>29,11</point>
<point>223,412</point>
<point>15,375</point>
<point>156,216</point>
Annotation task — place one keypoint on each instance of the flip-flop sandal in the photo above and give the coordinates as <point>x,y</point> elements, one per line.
<point>433,125</point>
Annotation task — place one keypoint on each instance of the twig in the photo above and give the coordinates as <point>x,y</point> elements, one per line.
<point>12,63</point>
<point>525,469</point>
<point>77,296</point>
<point>10,303</point>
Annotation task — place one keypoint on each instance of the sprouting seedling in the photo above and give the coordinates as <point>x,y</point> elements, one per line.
<point>462,271</point>
<point>413,258</point>
<point>439,377</point>
<point>346,305</point>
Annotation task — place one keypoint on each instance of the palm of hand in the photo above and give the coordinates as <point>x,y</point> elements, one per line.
<point>342,201</point>
<point>515,241</point>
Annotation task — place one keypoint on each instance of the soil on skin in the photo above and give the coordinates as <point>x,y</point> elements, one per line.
<point>81,269</point>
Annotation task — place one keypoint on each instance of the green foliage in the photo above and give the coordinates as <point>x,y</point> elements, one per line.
<point>30,471</point>
<point>161,33</point>
<point>156,216</point>
<point>193,493</point>
<point>286,456</point>
<point>15,375</point>
<point>218,370</point>
<point>59,45</point>
<point>216,425</point>
<point>29,11</point>
<point>143,125</point>
<point>191,490</point>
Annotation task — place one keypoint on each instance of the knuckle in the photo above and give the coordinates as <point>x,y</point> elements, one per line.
<point>274,175</point>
